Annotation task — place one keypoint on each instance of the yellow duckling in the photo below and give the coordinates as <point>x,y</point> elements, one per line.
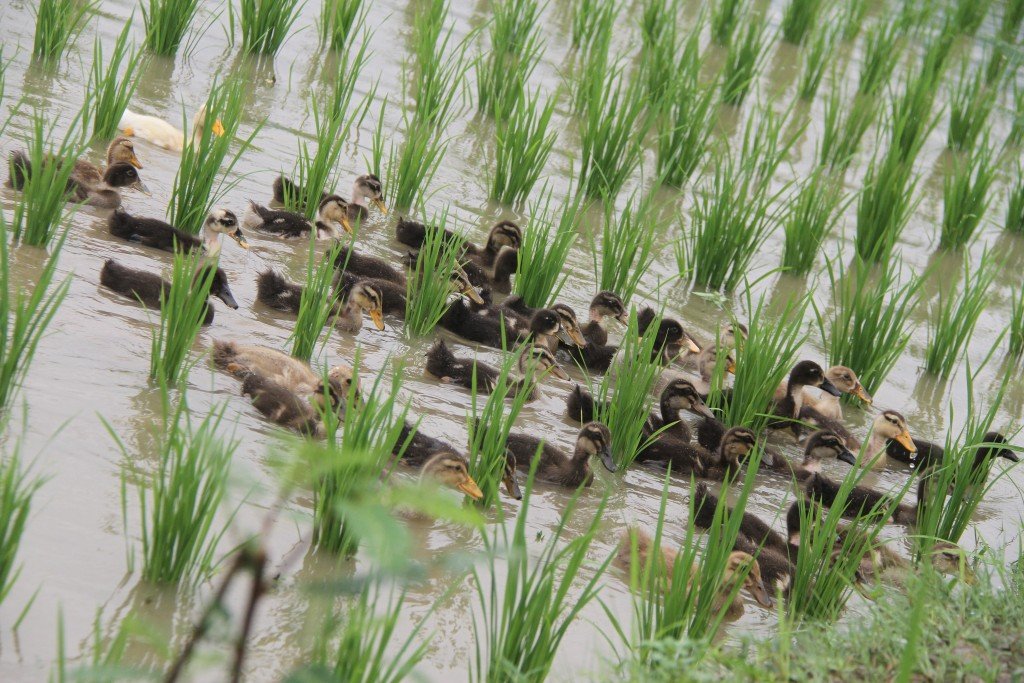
<point>452,470</point>
<point>162,134</point>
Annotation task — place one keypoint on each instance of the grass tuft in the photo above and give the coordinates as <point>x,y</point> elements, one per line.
<point>515,50</point>
<point>587,18</point>
<point>810,217</point>
<point>545,249</point>
<point>882,51</point>
<point>745,59</point>
<point>968,15</point>
<point>842,133</point>
<point>107,96</point>
<point>318,303</point>
<point>428,287</point>
<point>885,204</point>
<point>799,19</point>
<point>183,310</point>
<point>58,24</point>
<point>627,246</point>
<point>166,22</point>
<point>609,135</point>
<point>338,22</point>
<point>438,79</point>
<point>816,58</point>
<point>265,24</point>
<point>1015,330</point>
<point>851,18</point>
<point>524,142</point>
<point>971,102</point>
<point>1015,202</point>
<point>953,321</point>
<point>966,196</point>
<point>725,17</point>
<point>17,488</point>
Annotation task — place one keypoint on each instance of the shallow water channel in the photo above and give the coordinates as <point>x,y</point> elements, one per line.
<point>93,364</point>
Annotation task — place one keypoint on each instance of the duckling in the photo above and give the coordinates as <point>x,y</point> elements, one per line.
<point>506,263</point>
<point>491,331</point>
<point>707,362</point>
<point>104,194</point>
<point>891,427</point>
<point>777,570</point>
<point>444,365</point>
<point>929,454</point>
<point>862,501</point>
<point>504,234</point>
<point>737,442</point>
<point>755,529</point>
<point>821,445</point>
<point>605,304</point>
<point>151,289</point>
<point>274,290</point>
<point>152,232</point>
<point>519,315</point>
<point>413,233</point>
<point>121,150</point>
<point>806,373</point>
<point>281,405</point>
<point>452,470</point>
<point>557,467</point>
<point>163,134</point>
<point>287,224</point>
<point>676,340</point>
<point>676,397</point>
<point>825,411</point>
<point>368,267</point>
<point>366,188</point>
<point>292,373</point>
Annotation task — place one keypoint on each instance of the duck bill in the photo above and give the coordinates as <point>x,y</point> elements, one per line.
<point>134,161</point>
<point>606,459</point>
<point>860,393</point>
<point>731,368</point>
<point>760,594</point>
<point>227,297</point>
<point>141,187</point>
<point>690,344</point>
<point>576,336</point>
<point>379,203</point>
<point>240,238</point>
<point>217,128</point>
<point>470,488</point>
<point>470,291</point>
<point>848,457</point>
<point>830,388</point>
<point>512,484</point>
<point>558,372</point>
<point>346,225</point>
<point>903,438</point>
<point>377,317</point>
<point>623,318</point>
<point>1009,455</point>
<point>702,410</point>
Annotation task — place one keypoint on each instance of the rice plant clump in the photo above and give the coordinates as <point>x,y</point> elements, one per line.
<point>437,80</point>
<point>265,24</point>
<point>1015,202</point>
<point>524,142</point>
<point>911,119</point>
<point>166,22</point>
<point>627,246</point>
<point>610,140</point>
<point>843,133</point>
<point>515,50</point>
<point>971,102</point>
<point>337,23</point>
<point>107,95</point>
<point>318,303</point>
<point>882,50</point>
<point>58,23</point>
<point>183,310</point>
<point>885,205</point>
<point>1015,330</point>
<point>1010,20</point>
<point>412,165</point>
<point>816,59</point>
<point>851,18</point>
<point>968,15</point>
<point>725,16</point>
<point>543,252</point>
<point>811,216</point>
<point>587,18</point>
<point>799,18</point>
<point>744,60</point>
<point>428,287</point>
<point>17,488</point>
<point>966,194</point>
<point>660,48</point>
<point>954,319</point>
<point>866,328</point>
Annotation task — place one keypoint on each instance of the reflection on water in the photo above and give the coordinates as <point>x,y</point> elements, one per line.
<point>94,361</point>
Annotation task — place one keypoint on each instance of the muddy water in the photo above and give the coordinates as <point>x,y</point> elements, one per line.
<point>93,363</point>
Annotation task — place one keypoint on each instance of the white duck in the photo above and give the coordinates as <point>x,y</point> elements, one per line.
<point>163,134</point>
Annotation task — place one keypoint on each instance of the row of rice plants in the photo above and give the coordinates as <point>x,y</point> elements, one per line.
<point>183,310</point>
<point>544,250</point>
<point>429,284</point>
<point>107,96</point>
<point>515,48</point>
<point>58,24</point>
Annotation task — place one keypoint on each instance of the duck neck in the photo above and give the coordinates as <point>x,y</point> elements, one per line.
<point>358,196</point>
<point>874,453</point>
<point>211,240</point>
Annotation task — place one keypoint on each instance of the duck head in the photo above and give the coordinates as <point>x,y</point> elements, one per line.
<point>225,222</point>
<point>334,209</point>
<point>367,296</point>
<point>608,304</point>
<point>539,361</point>
<point>509,479</point>
<point>807,373</point>
<point>568,323</point>
<point>823,445</point>
<point>740,563</point>
<point>461,285</point>
<point>733,333</point>
<point>891,426</point>
<point>218,285</point>
<point>545,322</point>
<point>123,174</point>
<point>122,150</point>
<point>995,446</point>
<point>737,443</point>
<point>845,380</point>
<point>595,439</point>
<point>452,470</point>
<point>709,359</point>
<point>680,394</point>
<point>504,234</point>
<point>368,188</point>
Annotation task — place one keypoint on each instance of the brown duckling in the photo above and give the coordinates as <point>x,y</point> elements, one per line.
<point>737,442</point>
<point>275,291</point>
<point>495,331</point>
<point>891,427</point>
<point>282,406</point>
<point>366,188</point>
<point>333,211</point>
<point>452,470</point>
<point>862,501</point>
<point>447,367</point>
<point>120,150</point>
<point>806,373</point>
<point>677,341</point>
<point>559,468</point>
<point>504,234</point>
<point>751,526</point>
<point>605,304</point>
<point>292,373</point>
<point>153,232</point>
<point>519,316</point>
<point>367,267</point>
<point>102,194</point>
<point>151,289</point>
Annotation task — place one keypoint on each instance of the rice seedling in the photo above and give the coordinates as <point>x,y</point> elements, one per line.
<point>744,60</point>
<point>180,505</point>
<point>17,488</point>
<point>25,315</point>
<point>763,361</point>
<point>318,303</point>
<point>1010,20</point>
<point>966,195</point>
<point>1016,135</point>
<point>1015,202</point>
<point>411,166</point>
<point>166,23</point>
<point>866,327</point>
<point>338,22</point>
<point>58,24</point>
<point>524,142</point>
<point>42,175</point>
<point>725,16</point>
<point>816,59</point>
<point>799,18</point>
<point>195,189</point>
<point>623,397</point>
<point>810,217</point>
<point>684,137</point>
<point>107,96</point>
<point>851,18</point>
<point>428,287</point>
<point>883,48</point>
<point>264,24</point>
<point>842,133</point>
<point>968,15</point>
<point>765,144</point>
<point>490,425</point>
<point>885,204</point>
<point>730,222</point>
<point>316,172</point>
<point>1015,330</point>
<point>587,18</point>
<point>594,61</point>
<point>544,250</point>
<point>627,246</point>
<point>971,102</point>
<point>516,46</point>
<point>438,78</point>
<point>952,323</point>
<point>659,49</point>
<point>610,141</point>
<point>525,617</point>
<point>911,119</point>
<point>183,309</point>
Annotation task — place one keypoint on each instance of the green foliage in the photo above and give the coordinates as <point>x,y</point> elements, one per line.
<point>842,133</point>
<point>166,23</point>
<point>971,102</point>
<point>816,58</point>
<point>799,18</point>
<point>338,22</point>
<point>1015,330</point>
<point>544,250</point>
<point>588,18</point>
<point>883,48</point>
<point>810,217</point>
<point>659,49</point>
<point>851,18</point>
<point>516,47</point>
<point>58,23</point>
<point>17,488</point>
<point>411,168</point>
<point>968,15</point>
<point>725,16</point>
<point>745,59</point>
<point>524,142</point>
<point>428,287</point>
<point>609,135</point>
<point>952,324</point>
<point>265,24</point>
<point>107,96</point>
<point>438,79</point>
<point>966,194</point>
<point>1015,202</point>
<point>183,309</point>
<point>318,303</point>
<point>627,246</point>
<point>885,204</point>
<point>866,326</point>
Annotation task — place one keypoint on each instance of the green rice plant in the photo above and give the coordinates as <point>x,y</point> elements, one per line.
<point>437,78</point>
<point>851,18</point>
<point>883,48</point>
<point>844,127</point>
<point>623,397</point>
<point>763,361</point>
<point>968,15</point>
<point>1010,20</point>
<point>523,144</point>
<point>58,24</point>
<point>334,117</point>
<point>345,475</point>
<point>799,18</point>
<point>318,303</point>
<point>1016,135</point>
<point>183,310</point>
<point>516,47</point>
<point>885,204</point>
<point>17,488</point>
<point>545,249</point>
<point>816,58</point>
<point>966,196</point>
<point>1015,202</point>
<point>725,17</point>
<point>953,321</point>
<point>181,501</point>
<point>25,314</point>
<point>911,118</point>
<point>611,132</point>
<point>196,189</point>
<point>766,144</point>
<point>166,23</point>
<point>411,166</point>
<point>744,60</point>
<point>971,102</point>
<point>107,96</point>
<point>338,22</point>
<point>810,217</point>
<point>490,425</point>
<point>594,61</point>
<point>866,328</point>
<point>1015,330</point>
<point>657,19</point>
<point>660,49</point>
<point>528,599</point>
<point>42,175</point>
<point>627,246</point>
<point>588,17</point>
<point>428,287</point>
<point>264,24</point>
<point>729,223</point>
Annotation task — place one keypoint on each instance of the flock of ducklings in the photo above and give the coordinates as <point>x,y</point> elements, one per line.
<point>290,393</point>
